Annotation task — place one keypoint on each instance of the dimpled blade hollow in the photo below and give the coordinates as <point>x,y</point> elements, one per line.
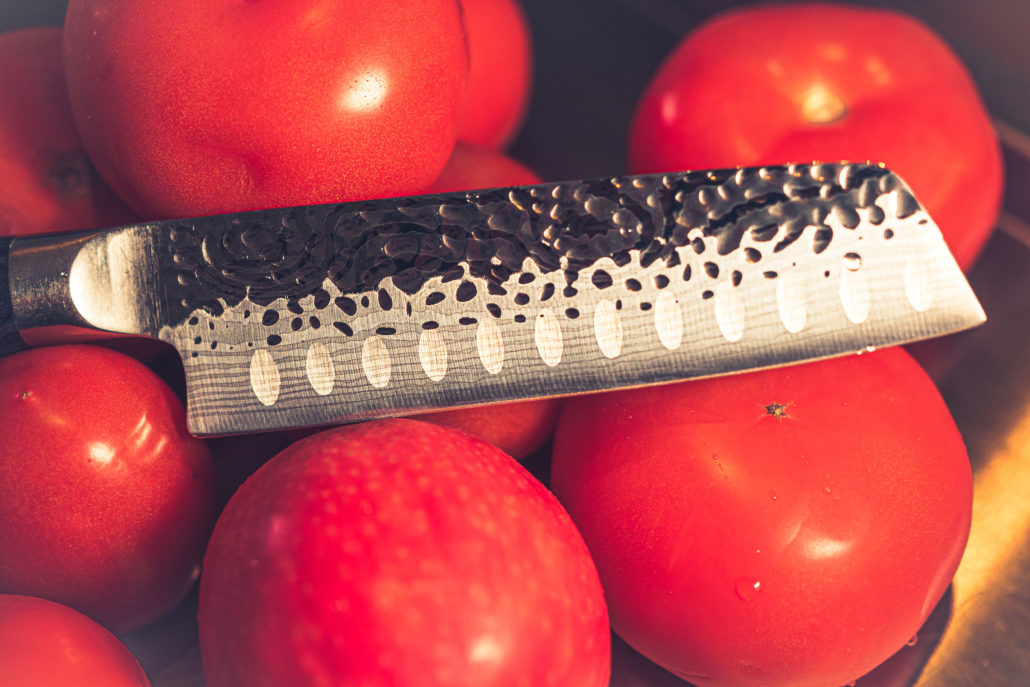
<point>323,314</point>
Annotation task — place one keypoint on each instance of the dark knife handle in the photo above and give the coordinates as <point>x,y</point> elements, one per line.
<point>10,340</point>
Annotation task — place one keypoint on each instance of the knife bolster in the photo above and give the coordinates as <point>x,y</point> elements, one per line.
<point>84,281</point>
<point>38,268</point>
<point>10,340</point>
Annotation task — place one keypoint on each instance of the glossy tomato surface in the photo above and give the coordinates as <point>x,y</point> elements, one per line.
<point>45,644</point>
<point>399,553</point>
<point>785,527</point>
<point>500,71</point>
<point>191,109</point>
<point>828,82</point>
<point>47,182</point>
<point>105,500</point>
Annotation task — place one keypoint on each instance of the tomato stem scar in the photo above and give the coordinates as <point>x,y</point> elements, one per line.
<point>777,410</point>
<point>72,175</point>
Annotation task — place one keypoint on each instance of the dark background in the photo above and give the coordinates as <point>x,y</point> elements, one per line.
<point>619,43</point>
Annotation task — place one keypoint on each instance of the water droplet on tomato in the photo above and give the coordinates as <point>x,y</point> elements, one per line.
<point>747,588</point>
<point>828,490</point>
<point>912,642</point>
<point>773,496</point>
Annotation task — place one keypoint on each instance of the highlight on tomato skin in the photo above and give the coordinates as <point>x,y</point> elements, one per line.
<point>47,182</point>
<point>106,501</point>
<point>786,528</point>
<point>818,81</point>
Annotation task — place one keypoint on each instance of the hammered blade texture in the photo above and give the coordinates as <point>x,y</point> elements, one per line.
<point>354,311</point>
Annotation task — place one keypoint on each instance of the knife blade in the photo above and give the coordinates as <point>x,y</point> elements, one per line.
<point>330,313</point>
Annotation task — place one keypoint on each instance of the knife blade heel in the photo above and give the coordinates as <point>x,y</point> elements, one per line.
<point>84,285</point>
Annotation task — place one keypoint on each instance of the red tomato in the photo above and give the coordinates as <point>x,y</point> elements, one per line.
<point>472,167</point>
<point>786,527</point>
<point>105,500</point>
<point>46,181</point>
<point>518,428</point>
<point>399,553</point>
<point>43,643</point>
<point>796,83</point>
<point>630,669</point>
<point>191,108</point>
<point>500,71</point>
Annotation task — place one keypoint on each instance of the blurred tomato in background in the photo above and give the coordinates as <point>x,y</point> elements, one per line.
<point>47,183</point>
<point>44,644</point>
<point>500,71</point>
<point>822,81</point>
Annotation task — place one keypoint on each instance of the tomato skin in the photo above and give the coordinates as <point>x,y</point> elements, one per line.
<point>399,553</point>
<point>235,106</point>
<point>47,182</point>
<point>518,428</point>
<point>105,500</point>
<point>500,71</point>
<point>45,643</point>
<point>475,167</point>
<point>829,82</point>
<point>739,548</point>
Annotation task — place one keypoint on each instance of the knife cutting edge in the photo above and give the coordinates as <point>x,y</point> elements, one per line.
<point>330,313</point>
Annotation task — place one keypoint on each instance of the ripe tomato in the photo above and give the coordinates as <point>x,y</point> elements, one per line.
<point>817,81</point>
<point>471,167</point>
<point>785,527</point>
<point>46,181</point>
<point>399,553</point>
<point>517,428</point>
<point>500,71</point>
<point>105,500</point>
<point>45,643</point>
<point>191,108</point>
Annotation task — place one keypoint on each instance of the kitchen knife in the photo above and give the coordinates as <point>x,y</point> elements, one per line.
<point>330,313</point>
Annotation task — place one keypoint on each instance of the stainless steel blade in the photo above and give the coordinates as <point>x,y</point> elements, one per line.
<point>307,316</point>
